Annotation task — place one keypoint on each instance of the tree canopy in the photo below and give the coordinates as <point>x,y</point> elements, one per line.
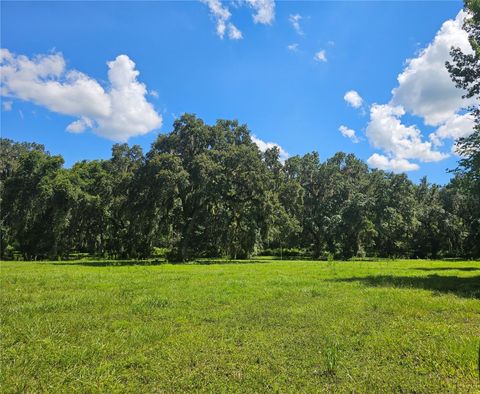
<point>207,191</point>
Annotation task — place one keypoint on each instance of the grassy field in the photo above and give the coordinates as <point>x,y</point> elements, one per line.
<point>265,326</point>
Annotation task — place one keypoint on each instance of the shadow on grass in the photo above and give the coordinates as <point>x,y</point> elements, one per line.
<point>112,263</point>
<point>125,263</point>
<point>447,269</point>
<point>231,262</point>
<point>468,287</point>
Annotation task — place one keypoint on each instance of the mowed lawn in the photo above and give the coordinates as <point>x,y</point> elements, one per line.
<point>264,326</point>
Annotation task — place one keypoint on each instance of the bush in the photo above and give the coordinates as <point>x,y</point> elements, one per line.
<point>9,252</point>
<point>160,253</point>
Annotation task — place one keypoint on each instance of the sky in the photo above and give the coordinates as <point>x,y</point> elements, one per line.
<point>361,77</point>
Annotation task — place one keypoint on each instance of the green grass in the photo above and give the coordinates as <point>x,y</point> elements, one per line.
<point>269,326</point>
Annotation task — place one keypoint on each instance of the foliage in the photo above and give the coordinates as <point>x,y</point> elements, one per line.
<point>207,191</point>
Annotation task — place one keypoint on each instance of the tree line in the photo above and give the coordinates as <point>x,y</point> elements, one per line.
<point>207,191</point>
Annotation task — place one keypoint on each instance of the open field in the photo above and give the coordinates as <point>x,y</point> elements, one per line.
<point>269,326</point>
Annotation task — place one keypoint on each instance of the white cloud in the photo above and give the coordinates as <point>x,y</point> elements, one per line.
<point>265,11</point>
<point>293,47</point>
<point>386,131</point>
<point>263,146</point>
<point>321,56</point>
<point>425,88</point>
<point>234,33</point>
<point>353,98</point>
<point>396,165</point>
<point>264,14</point>
<point>153,93</point>
<point>455,127</point>
<point>118,112</point>
<point>349,133</point>
<point>79,126</point>
<point>7,105</point>
<point>295,21</point>
<point>44,81</point>
<point>222,16</point>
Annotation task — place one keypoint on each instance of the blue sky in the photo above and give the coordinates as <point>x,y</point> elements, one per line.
<point>285,95</point>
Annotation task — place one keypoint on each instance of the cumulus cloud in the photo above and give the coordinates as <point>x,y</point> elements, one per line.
<point>425,88</point>
<point>386,131</point>
<point>117,112</point>
<point>353,98</point>
<point>349,133</point>
<point>7,105</point>
<point>45,81</point>
<point>263,146</point>
<point>295,21</point>
<point>321,56</point>
<point>455,127</point>
<point>79,126</point>
<point>395,165</point>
